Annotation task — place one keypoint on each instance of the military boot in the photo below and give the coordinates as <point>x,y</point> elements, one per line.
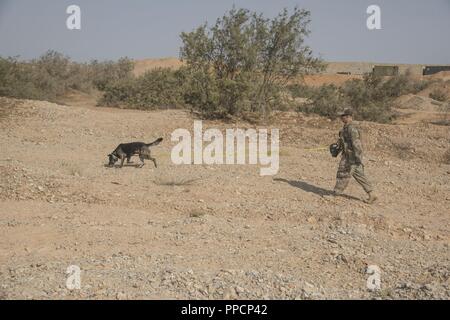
<point>372,198</point>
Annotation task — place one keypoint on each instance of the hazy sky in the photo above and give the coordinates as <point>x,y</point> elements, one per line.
<point>413,31</point>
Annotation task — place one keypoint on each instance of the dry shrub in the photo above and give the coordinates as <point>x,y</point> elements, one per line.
<point>53,75</point>
<point>154,89</point>
<point>371,98</point>
<point>439,94</point>
<point>403,149</point>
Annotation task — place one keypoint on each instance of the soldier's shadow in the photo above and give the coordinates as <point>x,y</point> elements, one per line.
<point>305,186</point>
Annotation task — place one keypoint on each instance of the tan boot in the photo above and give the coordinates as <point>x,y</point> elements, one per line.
<point>372,198</point>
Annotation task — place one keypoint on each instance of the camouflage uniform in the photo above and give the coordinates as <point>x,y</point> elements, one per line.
<point>351,161</point>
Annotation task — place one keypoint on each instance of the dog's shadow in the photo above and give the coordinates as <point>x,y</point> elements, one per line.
<point>117,166</point>
<point>305,186</point>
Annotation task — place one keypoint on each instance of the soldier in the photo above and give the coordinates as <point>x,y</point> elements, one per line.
<point>351,163</point>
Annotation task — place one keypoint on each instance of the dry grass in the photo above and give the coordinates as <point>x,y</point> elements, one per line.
<point>71,168</point>
<point>403,149</point>
<point>196,214</point>
<point>439,94</point>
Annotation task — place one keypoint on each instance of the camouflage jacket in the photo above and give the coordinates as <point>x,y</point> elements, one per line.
<point>350,142</point>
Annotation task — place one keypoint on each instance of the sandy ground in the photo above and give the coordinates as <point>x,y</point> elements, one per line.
<point>212,232</point>
<point>141,66</point>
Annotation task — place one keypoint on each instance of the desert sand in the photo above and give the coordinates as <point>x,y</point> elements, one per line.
<point>198,231</point>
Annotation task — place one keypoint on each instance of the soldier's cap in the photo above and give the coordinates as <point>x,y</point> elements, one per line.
<point>346,112</point>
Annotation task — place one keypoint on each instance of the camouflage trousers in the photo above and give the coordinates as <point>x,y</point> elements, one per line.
<point>346,170</point>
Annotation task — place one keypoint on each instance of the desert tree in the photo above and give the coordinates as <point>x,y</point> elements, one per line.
<point>245,61</point>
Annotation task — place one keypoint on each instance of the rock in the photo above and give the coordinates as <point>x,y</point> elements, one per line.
<point>121,296</point>
<point>308,289</point>
<point>230,294</point>
<point>239,290</point>
<point>428,287</point>
<point>312,220</point>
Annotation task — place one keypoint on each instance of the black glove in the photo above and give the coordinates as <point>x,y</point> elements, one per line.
<point>335,149</point>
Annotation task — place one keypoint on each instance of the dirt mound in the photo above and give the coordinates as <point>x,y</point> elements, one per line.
<point>142,66</point>
<point>417,102</point>
<point>443,75</point>
<point>418,108</point>
<point>215,231</point>
<point>440,86</point>
<point>317,80</point>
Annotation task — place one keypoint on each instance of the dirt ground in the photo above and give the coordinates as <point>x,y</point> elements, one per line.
<point>213,232</point>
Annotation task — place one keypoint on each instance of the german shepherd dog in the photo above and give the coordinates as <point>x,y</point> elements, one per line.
<point>127,150</point>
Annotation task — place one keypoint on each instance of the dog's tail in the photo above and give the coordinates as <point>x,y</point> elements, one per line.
<point>154,143</point>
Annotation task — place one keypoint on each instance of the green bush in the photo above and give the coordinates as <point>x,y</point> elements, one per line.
<point>22,80</point>
<point>119,93</point>
<point>104,74</point>
<point>326,100</point>
<point>301,91</point>
<point>404,84</point>
<point>154,89</point>
<point>371,97</point>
